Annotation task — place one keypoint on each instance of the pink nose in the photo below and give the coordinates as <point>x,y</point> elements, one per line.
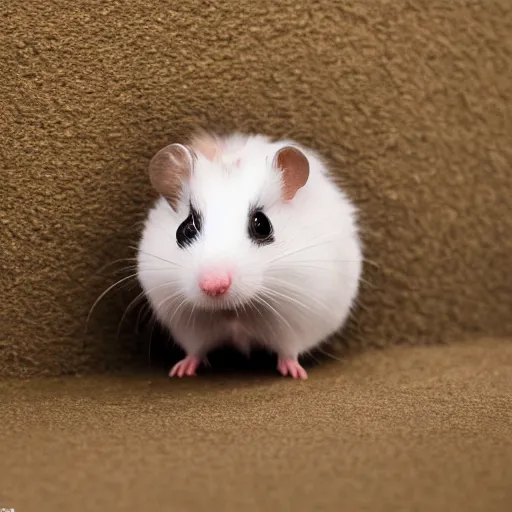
<point>215,283</point>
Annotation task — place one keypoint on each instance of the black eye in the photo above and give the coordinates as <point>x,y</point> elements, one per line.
<point>260,228</point>
<point>189,229</point>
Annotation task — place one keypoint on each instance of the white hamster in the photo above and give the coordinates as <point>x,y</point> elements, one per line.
<point>251,243</point>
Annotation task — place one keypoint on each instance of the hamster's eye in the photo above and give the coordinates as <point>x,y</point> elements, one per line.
<point>260,228</point>
<point>189,229</point>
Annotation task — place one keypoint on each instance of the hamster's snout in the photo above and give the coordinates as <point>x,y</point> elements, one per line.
<point>215,284</point>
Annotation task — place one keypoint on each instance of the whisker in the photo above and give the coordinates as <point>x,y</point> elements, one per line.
<point>313,227</point>
<point>266,303</point>
<point>132,303</point>
<point>136,268</point>
<point>306,247</point>
<point>245,306</point>
<point>138,223</point>
<point>139,297</point>
<point>323,260</point>
<point>312,355</point>
<point>162,259</point>
<point>294,303</point>
<point>371,262</point>
<point>114,262</point>
<point>192,309</point>
<point>321,350</point>
<point>264,317</point>
<point>143,310</point>
<point>177,309</point>
<point>322,240</point>
<point>254,305</point>
<point>290,287</point>
<point>285,297</point>
<point>294,266</point>
<point>155,321</point>
<point>167,301</point>
<point>96,302</point>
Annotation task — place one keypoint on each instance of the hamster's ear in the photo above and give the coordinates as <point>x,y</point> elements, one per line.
<point>294,166</point>
<point>206,143</point>
<point>169,168</point>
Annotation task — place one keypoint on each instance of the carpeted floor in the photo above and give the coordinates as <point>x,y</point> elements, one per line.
<point>412,429</point>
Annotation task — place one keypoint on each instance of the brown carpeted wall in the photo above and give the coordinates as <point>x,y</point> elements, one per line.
<point>409,100</point>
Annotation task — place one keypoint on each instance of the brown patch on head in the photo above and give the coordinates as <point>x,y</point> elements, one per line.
<point>207,144</point>
<point>168,169</point>
<point>294,167</point>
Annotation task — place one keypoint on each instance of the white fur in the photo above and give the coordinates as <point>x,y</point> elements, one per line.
<point>288,296</point>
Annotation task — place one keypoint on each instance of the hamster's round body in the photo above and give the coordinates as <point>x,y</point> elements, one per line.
<point>254,245</point>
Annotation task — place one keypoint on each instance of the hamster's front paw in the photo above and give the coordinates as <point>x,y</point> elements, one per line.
<point>186,366</point>
<point>290,366</point>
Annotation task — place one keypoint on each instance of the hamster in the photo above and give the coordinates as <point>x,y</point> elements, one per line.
<point>250,243</point>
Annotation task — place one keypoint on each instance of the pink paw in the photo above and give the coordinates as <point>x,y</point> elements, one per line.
<point>187,366</point>
<point>291,367</point>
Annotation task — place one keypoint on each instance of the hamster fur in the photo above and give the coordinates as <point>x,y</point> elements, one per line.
<point>240,251</point>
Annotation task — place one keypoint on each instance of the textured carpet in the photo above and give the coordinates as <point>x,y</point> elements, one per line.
<point>404,429</point>
<point>410,101</point>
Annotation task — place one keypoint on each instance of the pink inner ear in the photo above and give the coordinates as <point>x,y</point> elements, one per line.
<point>208,145</point>
<point>167,170</point>
<point>294,167</point>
